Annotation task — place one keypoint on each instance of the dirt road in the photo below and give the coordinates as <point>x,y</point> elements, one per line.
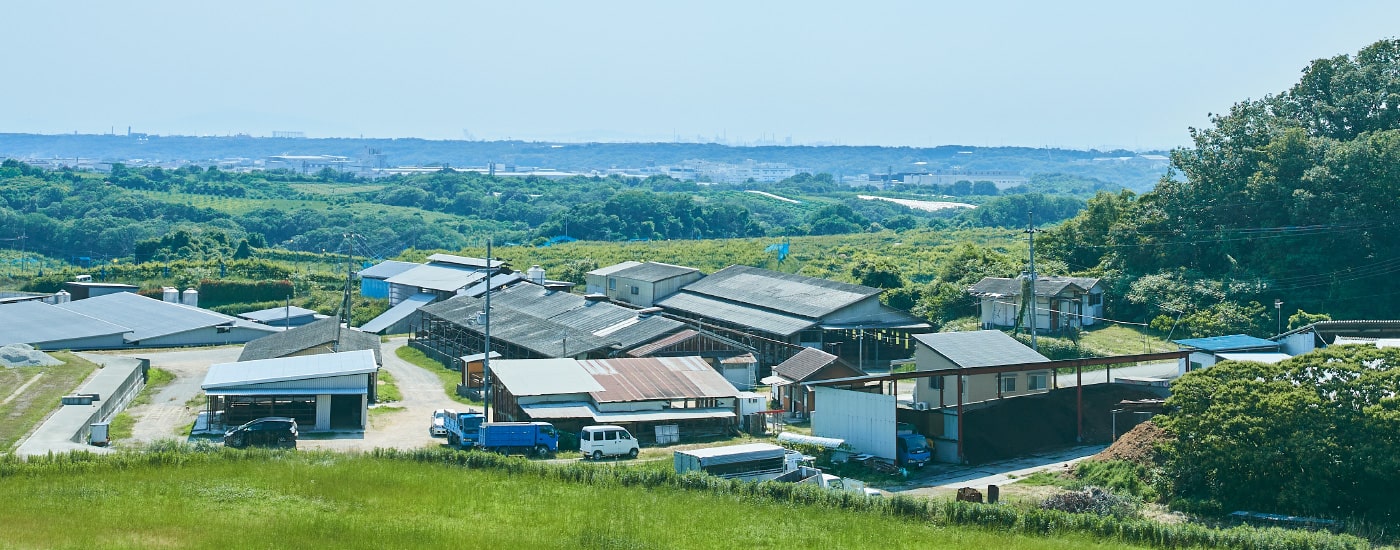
<point>400,429</point>
<point>167,411</point>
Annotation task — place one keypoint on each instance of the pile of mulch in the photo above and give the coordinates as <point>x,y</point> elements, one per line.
<point>1136,446</point>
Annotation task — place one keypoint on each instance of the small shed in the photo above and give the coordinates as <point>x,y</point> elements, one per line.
<point>322,392</point>
<point>472,367</point>
<point>1207,351</point>
<point>809,365</point>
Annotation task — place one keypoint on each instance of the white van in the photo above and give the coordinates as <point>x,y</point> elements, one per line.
<point>596,442</point>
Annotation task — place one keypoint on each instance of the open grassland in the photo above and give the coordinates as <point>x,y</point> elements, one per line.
<point>336,188</point>
<point>21,411</point>
<point>1114,339</point>
<point>325,500</point>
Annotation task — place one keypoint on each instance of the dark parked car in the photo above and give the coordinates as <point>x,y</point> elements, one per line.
<point>273,431</point>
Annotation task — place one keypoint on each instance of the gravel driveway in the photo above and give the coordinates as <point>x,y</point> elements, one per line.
<point>402,429</point>
<point>167,411</point>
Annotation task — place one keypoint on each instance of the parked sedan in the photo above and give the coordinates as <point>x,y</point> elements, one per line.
<point>438,427</point>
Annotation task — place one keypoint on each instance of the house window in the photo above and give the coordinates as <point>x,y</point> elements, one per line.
<point>1036,381</point>
<point>612,283</point>
<point>935,382</point>
<point>1095,299</point>
<point>1008,383</point>
<point>636,290</point>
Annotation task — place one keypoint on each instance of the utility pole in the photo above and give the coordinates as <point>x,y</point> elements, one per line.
<point>486,356</point>
<point>345,297</point>
<point>1031,231</point>
<point>1278,309</point>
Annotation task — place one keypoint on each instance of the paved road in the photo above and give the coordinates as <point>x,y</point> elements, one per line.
<point>167,411</point>
<point>994,473</point>
<point>402,429</point>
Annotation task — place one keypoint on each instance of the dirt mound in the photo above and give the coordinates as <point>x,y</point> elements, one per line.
<point>22,355</point>
<point>1136,445</point>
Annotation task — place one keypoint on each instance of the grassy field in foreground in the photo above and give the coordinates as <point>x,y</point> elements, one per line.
<point>326,500</point>
<point>22,413</point>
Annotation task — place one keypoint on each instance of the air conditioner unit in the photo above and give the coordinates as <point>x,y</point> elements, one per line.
<point>921,406</point>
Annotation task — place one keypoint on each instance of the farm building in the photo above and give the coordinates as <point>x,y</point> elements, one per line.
<point>777,314</point>
<point>82,290</point>
<point>1061,302</point>
<point>640,284</point>
<point>787,382</point>
<point>324,336</point>
<point>322,392</point>
<point>285,317</point>
<point>53,328</point>
<point>374,280</point>
<point>644,395</point>
<point>416,285</point>
<point>1327,333</point>
<point>1208,351</point>
<point>950,351</point>
<point>156,323</point>
<point>533,322</point>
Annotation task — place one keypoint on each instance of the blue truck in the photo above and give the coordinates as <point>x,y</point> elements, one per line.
<point>464,429</point>
<point>519,437</point>
<point>911,449</point>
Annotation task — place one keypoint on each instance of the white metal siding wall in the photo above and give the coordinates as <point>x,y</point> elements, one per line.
<point>114,341</point>
<point>207,336</point>
<point>860,311</point>
<point>865,420</point>
<point>1298,344</point>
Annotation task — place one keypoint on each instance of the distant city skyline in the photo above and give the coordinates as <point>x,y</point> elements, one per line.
<point>1086,75</point>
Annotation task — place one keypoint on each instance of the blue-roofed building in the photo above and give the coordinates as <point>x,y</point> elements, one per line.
<point>1208,351</point>
<point>374,281</point>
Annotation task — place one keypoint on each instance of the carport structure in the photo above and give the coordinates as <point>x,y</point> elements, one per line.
<point>322,392</point>
<point>863,383</point>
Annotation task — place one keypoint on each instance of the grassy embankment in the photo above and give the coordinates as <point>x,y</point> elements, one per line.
<point>22,411</point>
<point>435,498</point>
<point>363,502</point>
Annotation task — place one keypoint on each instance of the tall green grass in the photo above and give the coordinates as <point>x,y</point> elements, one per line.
<point>199,496</point>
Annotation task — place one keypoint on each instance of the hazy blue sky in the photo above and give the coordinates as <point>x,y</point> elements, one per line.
<point>1109,74</point>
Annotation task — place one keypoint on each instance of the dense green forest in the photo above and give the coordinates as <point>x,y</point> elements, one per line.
<point>152,214</point>
<point>1293,197</point>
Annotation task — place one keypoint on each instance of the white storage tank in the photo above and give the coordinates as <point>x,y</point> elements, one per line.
<point>169,294</point>
<point>190,297</point>
<point>62,297</point>
<point>535,274</point>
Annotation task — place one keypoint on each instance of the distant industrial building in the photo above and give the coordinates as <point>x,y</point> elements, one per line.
<point>1003,179</point>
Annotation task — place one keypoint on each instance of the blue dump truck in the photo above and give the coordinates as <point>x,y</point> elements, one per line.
<point>519,437</point>
<point>464,429</point>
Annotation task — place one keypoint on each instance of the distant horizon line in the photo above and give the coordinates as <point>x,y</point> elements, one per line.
<point>596,142</point>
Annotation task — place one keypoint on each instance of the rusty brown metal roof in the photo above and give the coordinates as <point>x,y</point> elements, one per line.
<point>655,378</point>
<point>648,349</point>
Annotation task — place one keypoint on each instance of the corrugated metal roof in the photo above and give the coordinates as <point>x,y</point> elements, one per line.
<point>980,348</point>
<point>652,378</point>
<point>555,411</point>
<point>737,450</point>
<point>150,318</point>
<point>1228,343</point>
<point>539,319</point>
<point>435,277</point>
<point>795,294</point>
<point>609,270</point>
<point>653,271</point>
<point>1044,286</point>
<point>397,313</point>
<point>739,314</point>
<point>648,349</point>
<point>1269,358</point>
<point>268,316</point>
<point>37,322</point>
<point>311,335</point>
<point>463,261</point>
<point>810,361</point>
<point>497,281</point>
<point>544,376</point>
<point>386,269</point>
<point>284,369</point>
